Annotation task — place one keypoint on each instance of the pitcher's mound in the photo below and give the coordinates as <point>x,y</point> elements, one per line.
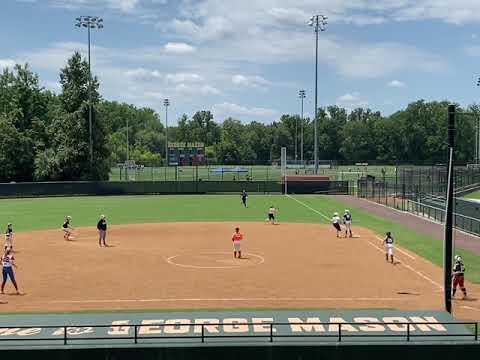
<point>214,260</point>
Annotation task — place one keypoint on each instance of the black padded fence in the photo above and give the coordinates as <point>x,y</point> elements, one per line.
<point>318,187</point>
<point>136,188</point>
<point>168,187</point>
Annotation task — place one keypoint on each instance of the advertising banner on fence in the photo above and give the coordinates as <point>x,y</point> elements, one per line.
<point>166,328</point>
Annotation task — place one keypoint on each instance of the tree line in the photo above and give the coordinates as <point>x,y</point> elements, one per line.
<point>45,136</point>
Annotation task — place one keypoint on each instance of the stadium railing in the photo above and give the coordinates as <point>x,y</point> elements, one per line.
<point>69,334</point>
<point>462,222</point>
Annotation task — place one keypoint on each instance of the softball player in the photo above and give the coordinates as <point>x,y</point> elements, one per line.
<point>67,228</point>
<point>271,214</point>
<point>336,223</point>
<point>8,262</point>
<point>9,237</point>
<point>237,238</point>
<point>388,243</point>
<point>459,276</point>
<point>347,221</point>
<point>102,231</point>
<point>244,197</point>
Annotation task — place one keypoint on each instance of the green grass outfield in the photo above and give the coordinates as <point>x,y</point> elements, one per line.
<point>474,195</point>
<point>48,213</point>
<point>256,172</point>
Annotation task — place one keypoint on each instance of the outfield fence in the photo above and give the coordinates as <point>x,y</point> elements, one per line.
<point>167,187</point>
<point>136,188</point>
<point>338,332</point>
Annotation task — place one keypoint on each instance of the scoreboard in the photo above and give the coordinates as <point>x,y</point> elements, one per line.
<point>186,153</point>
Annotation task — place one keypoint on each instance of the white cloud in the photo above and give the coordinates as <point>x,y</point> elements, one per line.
<point>226,109</point>
<point>122,5</point>
<point>289,16</point>
<point>250,81</point>
<point>381,59</point>
<point>454,12</point>
<point>154,95</point>
<point>183,77</point>
<point>265,35</point>
<point>55,56</point>
<point>143,74</point>
<point>396,84</point>
<point>218,18</point>
<point>351,101</point>
<point>178,48</point>
<point>195,90</point>
<point>7,63</point>
<point>211,28</point>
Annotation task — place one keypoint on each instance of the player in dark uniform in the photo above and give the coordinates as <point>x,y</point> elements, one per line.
<point>244,197</point>
<point>8,263</point>
<point>67,228</point>
<point>347,221</point>
<point>459,276</point>
<point>102,231</point>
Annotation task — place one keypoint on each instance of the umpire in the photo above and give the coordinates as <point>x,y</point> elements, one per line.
<point>102,231</point>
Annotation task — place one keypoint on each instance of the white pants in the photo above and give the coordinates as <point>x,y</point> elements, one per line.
<point>389,249</point>
<point>236,246</point>
<point>348,226</point>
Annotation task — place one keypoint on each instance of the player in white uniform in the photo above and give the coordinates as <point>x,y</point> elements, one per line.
<point>336,223</point>
<point>9,237</point>
<point>388,243</point>
<point>347,221</point>
<point>272,211</point>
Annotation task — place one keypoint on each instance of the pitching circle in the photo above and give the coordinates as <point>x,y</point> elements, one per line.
<point>215,260</point>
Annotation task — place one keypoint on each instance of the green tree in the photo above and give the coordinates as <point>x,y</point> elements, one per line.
<point>74,81</point>
<point>67,157</point>
<point>16,151</point>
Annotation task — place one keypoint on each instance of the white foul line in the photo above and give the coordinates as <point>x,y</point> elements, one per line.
<point>378,248</point>
<point>308,207</point>
<point>270,299</point>
<point>470,308</point>
<point>411,268</point>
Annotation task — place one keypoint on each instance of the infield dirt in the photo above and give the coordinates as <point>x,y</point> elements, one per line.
<point>191,266</point>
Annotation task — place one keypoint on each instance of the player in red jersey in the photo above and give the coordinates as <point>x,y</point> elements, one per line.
<point>237,240</point>
<point>459,276</point>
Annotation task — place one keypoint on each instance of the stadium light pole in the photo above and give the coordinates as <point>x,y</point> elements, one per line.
<point>89,22</point>
<point>301,95</point>
<point>166,103</point>
<point>319,23</point>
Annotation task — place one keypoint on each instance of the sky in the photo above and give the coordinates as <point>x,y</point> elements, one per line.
<point>248,59</point>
